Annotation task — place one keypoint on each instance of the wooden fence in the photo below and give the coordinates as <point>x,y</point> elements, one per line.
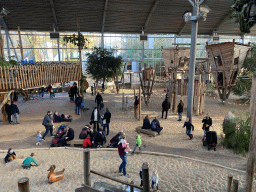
<point>38,75</point>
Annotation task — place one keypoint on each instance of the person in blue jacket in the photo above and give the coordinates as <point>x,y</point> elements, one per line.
<point>189,126</point>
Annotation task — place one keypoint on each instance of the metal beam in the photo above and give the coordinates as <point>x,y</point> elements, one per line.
<point>104,16</point>
<point>222,20</point>
<point>182,26</point>
<point>150,13</point>
<point>54,14</point>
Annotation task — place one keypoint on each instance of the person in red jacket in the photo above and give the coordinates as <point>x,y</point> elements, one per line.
<point>87,142</point>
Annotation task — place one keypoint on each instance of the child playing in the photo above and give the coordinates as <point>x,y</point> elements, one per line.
<point>38,138</point>
<point>138,144</point>
<point>123,141</point>
<point>188,126</point>
<point>154,177</point>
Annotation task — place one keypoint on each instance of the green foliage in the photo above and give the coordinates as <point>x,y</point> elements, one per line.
<point>77,40</point>
<point>83,84</point>
<point>237,135</point>
<point>101,64</point>
<point>4,63</point>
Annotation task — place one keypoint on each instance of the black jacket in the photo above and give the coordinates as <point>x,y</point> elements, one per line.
<point>207,122</point>
<point>92,116</point>
<point>98,99</point>
<point>7,108</point>
<point>180,108</point>
<point>70,134</point>
<point>99,137</point>
<point>78,101</point>
<point>8,155</point>
<point>107,116</point>
<point>146,124</point>
<point>166,105</point>
<point>14,109</point>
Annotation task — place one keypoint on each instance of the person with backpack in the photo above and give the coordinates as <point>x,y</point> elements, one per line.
<point>98,100</point>
<point>165,108</point>
<point>180,109</point>
<point>189,127</point>
<point>78,102</point>
<point>85,132</point>
<point>155,126</point>
<point>14,110</point>
<point>106,118</point>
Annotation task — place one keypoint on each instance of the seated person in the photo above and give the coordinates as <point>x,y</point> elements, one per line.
<point>98,137</point>
<point>155,126</point>
<point>85,132</point>
<point>11,155</point>
<point>64,118</point>
<point>27,162</point>
<point>87,142</point>
<point>146,123</point>
<point>56,117</point>
<point>68,136</point>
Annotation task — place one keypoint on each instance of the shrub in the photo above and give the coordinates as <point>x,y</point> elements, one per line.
<point>237,135</point>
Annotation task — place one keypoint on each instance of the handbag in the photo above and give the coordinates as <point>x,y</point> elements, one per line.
<point>102,105</point>
<point>82,105</point>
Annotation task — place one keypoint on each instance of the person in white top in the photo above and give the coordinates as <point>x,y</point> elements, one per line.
<point>154,177</point>
<point>95,117</point>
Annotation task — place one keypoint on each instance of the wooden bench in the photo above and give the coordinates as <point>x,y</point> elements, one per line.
<point>147,131</point>
<point>74,142</point>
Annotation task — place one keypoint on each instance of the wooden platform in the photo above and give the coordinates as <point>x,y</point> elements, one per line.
<point>74,142</point>
<point>148,132</point>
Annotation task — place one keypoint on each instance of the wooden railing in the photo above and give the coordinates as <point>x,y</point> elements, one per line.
<point>38,75</point>
<point>5,99</point>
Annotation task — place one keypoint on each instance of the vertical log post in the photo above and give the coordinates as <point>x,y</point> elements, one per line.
<point>23,184</point>
<point>145,177</point>
<point>123,101</point>
<point>230,178</point>
<point>87,179</point>
<point>198,95</point>
<point>126,103</point>
<point>235,185</point>
<point>251,157</point>
<point>139,102</point>
<point>131,187</point>
<point>20,45</point>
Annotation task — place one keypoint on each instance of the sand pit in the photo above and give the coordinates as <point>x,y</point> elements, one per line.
<point>175,174</point>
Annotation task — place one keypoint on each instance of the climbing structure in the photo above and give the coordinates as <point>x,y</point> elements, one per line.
<point>226,60</point>
<point>147,80</point>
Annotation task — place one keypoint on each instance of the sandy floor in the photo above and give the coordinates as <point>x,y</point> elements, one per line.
<point>174,174</point>
<point>173,140</point>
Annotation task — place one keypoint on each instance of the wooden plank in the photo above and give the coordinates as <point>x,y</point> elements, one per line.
<point>25,79</point>
<point>16,78</point>
<point>2,86</point>
<point>5,99</point>
<point>12,77</point>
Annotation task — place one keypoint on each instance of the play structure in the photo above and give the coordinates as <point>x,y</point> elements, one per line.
<point>176,62</point>
<point>226,60</point>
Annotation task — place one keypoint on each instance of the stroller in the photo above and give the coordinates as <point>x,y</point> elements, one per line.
<point>58,136</point>
<point>114,141</point>
<point>210,140</point>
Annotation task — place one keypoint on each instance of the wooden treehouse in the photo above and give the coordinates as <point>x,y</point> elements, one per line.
<point>147,80</point>
<point>226,60</point>
<point>176,61</point>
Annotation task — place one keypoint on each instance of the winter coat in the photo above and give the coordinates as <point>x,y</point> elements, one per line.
<point>87,142</point>
<point>92,116</point>
<point>107,116</point>
<point>99,137</point>
<point>48,121</point>
<point>98,99</point>
<point>14,109</point>
<point>78,101</point>
<point>70,134</point>
<point>146,124</point>
<point>180,108</point>
<point>138,141</point>
<point>122,149</point>
<point>188,125</point>
<point>7,108</point>
<point>166,105</point>
<point>207,122</point>
<point>8,155</point>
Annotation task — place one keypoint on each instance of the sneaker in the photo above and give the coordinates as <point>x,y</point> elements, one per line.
<point>190,138</point>
<point>43,139</point>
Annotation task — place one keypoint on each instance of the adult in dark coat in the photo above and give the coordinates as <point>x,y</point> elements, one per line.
<point>95,119</point>
<point>8,111</point>
<point>48,123</point>
<point>78,102</point>
<point>180,109</point>
<point>14,110</point>
<point>106,117</point>
<point>72,93</point>
<point>207,120</point>
<point>165,108</point>
<point>146,123</point>
<point>70,134</point>
<point>75,90</point>
<point>98,137</point>
<point>98,100</point>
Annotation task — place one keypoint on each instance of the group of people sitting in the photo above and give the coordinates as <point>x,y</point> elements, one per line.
<point>154,125</point>
<point>63,135</point>
<point>60,118</point>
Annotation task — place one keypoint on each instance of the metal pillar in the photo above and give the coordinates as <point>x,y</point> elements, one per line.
<point>194,28</point>
<point>58,41</point>
<point>102,40</point>
<point>7,43</point>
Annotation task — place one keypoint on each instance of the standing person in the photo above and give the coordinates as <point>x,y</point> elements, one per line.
<point>72,93</point>
<point>103,88</point>
<point>180,110</point>
<point>95,117</point>
<point>106,117</point>
<point>11,155</point>
<point>27,162</point>
<point>42,92</point>
<point>123,155</point>
<point>48,123</point>
<point>207,120</point>
<point>98,100</point>
<point>92,89</point>
<point>69,135</point>
<point>136,107</point>
<point>165,108</point>
<point>189,126</point>
<point>75,90</point>
<point>14,110</point>
<point>78,102</point>
<point>154,177</point>
<point>8,111</point>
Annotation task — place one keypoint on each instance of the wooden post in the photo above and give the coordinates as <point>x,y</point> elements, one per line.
<point>20,45</point>
<point>145,177</point>
<point>139,102</point>
<point>252,155</point>
<point>230,178</point>
<point>87,179</point>
<point>131,187</point>
<point>123,101</point>
<point>23,184</point>
<point>126,103</point>
<point>198,95</point>
<point>235,185</point>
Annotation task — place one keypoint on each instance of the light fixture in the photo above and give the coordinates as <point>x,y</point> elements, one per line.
<point>187,15</point>
<point>253,12</point>
<point>204,10</point>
